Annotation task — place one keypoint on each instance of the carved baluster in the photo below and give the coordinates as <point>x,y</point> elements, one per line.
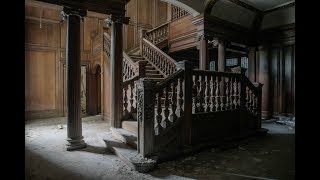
<point>166,122</point>
<point>212,92</point>
<point>221,83</point>
<point>227,93</point>
<point>158,127</point>
<point>247,98</point>
<point>180,98</point>
<point>256,104</point>
<point>217,93</point>
<point>173,116</point>
<point>196,91</point>
<point>231,93</point>
<point>235,91</point>
<point>125,101</point>
<point>239,91</point>
<point>252,99</point>
<point>132,108</point>
<point>194,95</point>
<point>201,93</point>
<point>207,94</point>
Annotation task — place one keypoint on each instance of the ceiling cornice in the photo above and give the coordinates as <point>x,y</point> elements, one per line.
<point>281,7</point>
<point>247,6</point>
<point>209,6</point>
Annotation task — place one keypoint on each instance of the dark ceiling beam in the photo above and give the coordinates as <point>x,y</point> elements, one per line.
<point>209,6</point>
<point>281,7</point>
<point>247,6</point>
<point>116,7</point>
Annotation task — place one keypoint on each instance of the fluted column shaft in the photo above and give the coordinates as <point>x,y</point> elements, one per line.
<point>74,126</point>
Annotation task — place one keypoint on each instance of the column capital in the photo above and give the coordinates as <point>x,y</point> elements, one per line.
<point>200,37</point>
<point>67,11</point>
<point>116,19</point>
<point>252,48</point>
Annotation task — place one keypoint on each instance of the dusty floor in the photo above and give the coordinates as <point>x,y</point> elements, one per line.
<point>268,157</point>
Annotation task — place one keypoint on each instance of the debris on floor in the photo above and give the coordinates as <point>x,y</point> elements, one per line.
<point>60,126</point>
<point>290,121</point>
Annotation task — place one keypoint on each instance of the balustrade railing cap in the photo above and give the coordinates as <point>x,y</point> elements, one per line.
<point>257,84</point>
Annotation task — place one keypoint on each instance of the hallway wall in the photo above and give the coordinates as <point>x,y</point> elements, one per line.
<point>45,57</point>
<point>146,14</point>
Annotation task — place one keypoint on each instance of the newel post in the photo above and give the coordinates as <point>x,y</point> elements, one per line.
<point>187,66</point>
<point>259,103</point>
<point>142,68</point>
<point>242,92</point>
<point>142,35</point>
<point>145,114</point>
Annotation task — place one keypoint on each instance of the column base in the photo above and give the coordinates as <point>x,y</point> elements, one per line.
<point>75,143</point>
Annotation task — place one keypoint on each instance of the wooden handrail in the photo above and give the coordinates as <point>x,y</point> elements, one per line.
<point>169,80</point>
<point>163,62</point>
<point>158,27</point>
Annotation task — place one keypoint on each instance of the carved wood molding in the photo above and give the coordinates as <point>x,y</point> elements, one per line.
<point>281,7</point>
<point>100,6</point>
<point>209,6</point>
<point>247,6</point>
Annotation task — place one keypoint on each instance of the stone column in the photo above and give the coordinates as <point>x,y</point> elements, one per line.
<point>221,55</point>
<point>203,53</point>
<point>116,94</point>
<point>73,52</point>
<point>264,78</point>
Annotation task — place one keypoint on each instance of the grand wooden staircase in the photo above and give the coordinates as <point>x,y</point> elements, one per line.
<point>170,108</point>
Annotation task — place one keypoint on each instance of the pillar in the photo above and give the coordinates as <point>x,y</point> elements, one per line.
<point>252,64</point>
<point>73,52</point>
<point>116,95</point>
<point>264,78</point>
<point>221,55</point>
<point>203,53</point>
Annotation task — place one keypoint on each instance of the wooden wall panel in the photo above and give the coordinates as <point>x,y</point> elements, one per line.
<point>288,79</point>
<point>275,81</point>
<point>40,82</point>
<point>162,15</point>
<point>181,27</point>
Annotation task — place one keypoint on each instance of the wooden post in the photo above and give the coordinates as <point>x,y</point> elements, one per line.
<point>142,68</point>
<point>188,135</point>
<point>203,53</point>
<point>221,56</point>
<point>259,87</point>
<point>264,78</point>
<point>73,51</point>
<point>116,94</point>
<point>145,116</point>
<point>142,34</point>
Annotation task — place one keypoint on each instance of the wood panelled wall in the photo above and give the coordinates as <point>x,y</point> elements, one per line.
<point>145,14</point>
<point>283,80</point>
<point>45,58</point>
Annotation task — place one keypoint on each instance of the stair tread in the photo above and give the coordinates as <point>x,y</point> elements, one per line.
<point>129,155</point>
<point>131,126</point>
<point>125,136</point>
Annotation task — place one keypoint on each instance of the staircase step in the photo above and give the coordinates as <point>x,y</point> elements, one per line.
<point>125,136</point>
<point>150,68</point>
<point>137,58</point>
<point>154,75</point>
<point>155,79</point>
<point>129,155</point>
<point>131,126</point>
<point>152,72</point>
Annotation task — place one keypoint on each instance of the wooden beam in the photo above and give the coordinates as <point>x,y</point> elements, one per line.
<point>247,6</point>
<point>209,6</point>
<point>116,7</point>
